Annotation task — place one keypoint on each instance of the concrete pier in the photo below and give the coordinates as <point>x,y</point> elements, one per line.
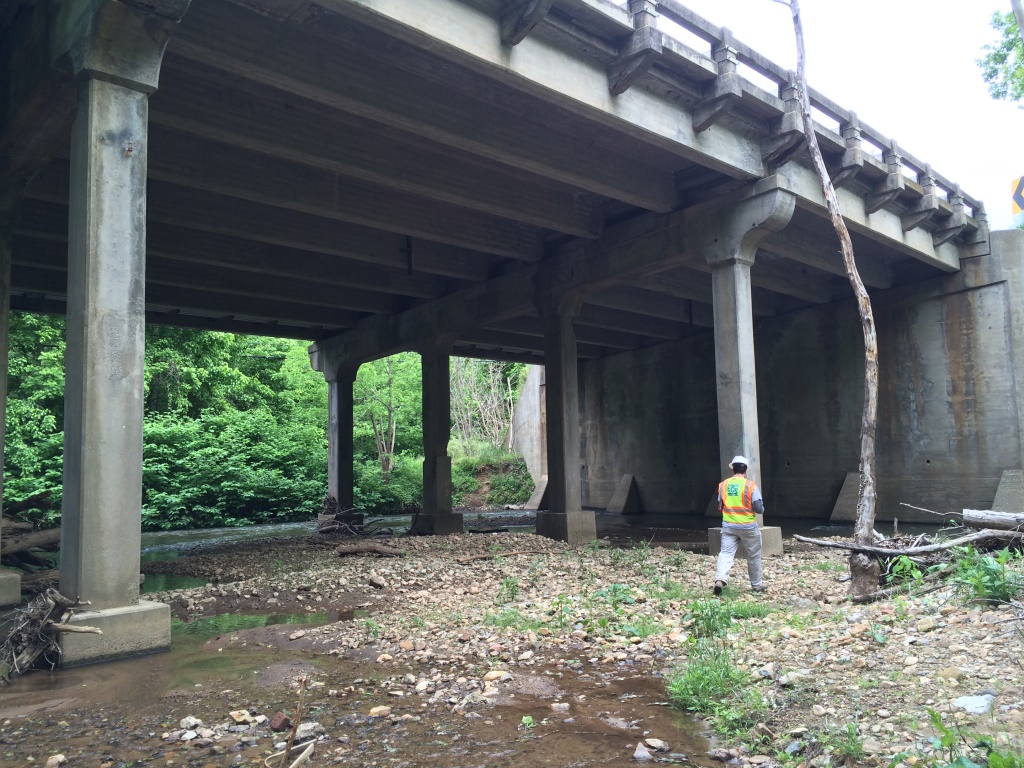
<point>437,516</point>
<point>564,518</point>
<point>10,581</point>
<point>117,63</point>
<point>340,453</point>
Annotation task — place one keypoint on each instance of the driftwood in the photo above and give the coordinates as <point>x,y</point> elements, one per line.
<point>488,556</point>
<point>12,544</point>
<point>38,501</point>
<point>40,577</point>
<point>35,632</point>
<point>916,587</point>
<point>987,518</point>
<point>987,534</point>
<point>367,548</point>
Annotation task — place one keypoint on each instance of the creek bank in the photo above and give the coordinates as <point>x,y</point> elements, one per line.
<point>452,657</point>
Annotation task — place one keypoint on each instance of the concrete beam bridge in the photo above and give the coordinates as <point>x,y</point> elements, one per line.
<point>619,192</point>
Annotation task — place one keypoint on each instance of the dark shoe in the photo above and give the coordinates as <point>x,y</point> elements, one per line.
<point>719,585</point>
<point>759,588</point>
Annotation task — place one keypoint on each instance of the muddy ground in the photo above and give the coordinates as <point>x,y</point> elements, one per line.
<point>507,649</point>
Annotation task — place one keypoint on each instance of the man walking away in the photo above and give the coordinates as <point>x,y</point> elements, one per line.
<point>739,500</point>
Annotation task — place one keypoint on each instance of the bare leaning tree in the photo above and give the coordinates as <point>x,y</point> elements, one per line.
<point>864,569</point>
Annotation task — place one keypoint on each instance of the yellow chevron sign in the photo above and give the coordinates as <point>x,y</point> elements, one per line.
<point>1018,196</point>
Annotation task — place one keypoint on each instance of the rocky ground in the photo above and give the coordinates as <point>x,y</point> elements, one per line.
<point>509,649</point>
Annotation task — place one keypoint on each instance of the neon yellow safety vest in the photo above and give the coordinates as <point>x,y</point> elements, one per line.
<point>737,495</point>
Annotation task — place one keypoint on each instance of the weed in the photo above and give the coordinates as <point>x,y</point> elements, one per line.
<point>511,618</point>
<point>711,618</point>
<point>534,573</point>
<point>847,745</point>
<point>562,610</point>
<point>677,560</point>
<point>742,609</point>
<point>712,684</point>
<point>986,578</point>
<point>594,546</point>
<point>954,748</point>
<point>372,628</point>
<point>903,570</point>
<point>643,628</point>
<point>528,722</point>
<point>417,622</point>
<point>507,592</point>
<point>495,550</point>
<point>615,595</point>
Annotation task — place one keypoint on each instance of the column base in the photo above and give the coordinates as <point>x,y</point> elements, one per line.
<point>572,527</point>
<point>771,542</point>
<point>438,525</point>
<point>133,630</point>
<point>10,587</point>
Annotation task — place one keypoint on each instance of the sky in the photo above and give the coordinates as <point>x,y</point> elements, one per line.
<point>908,69</point>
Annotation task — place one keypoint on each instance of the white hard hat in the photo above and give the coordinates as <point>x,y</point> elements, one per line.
<point>739,460</point>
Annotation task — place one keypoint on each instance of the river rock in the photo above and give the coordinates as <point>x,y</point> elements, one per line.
<point>927,624</point>
<point>657,745</point>
<point>308,730</point>
<point>380,711</point>
<point>641,754</point>
<point>949,673</point>
<point>55,760</point>
<point>975,705</point>
<point>188,723</point>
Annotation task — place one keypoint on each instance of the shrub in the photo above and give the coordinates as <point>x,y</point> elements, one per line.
<point>987,578</point>
<point>511,484</point>
<point>464,479</point>
<point>403,489</point>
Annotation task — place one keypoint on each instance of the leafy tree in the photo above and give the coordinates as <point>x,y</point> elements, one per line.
<point>388,410</point>
<point>1002,67</point>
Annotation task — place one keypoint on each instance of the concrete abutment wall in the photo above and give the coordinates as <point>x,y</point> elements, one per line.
<point>949,421</point>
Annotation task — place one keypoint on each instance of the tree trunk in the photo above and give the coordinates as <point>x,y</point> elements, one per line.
<point>987,518</point>
<point>1018,11</point>
<point>13,544</point>
<point>861,569</point>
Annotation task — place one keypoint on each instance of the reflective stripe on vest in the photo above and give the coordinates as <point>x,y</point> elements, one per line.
<point>737,495</point>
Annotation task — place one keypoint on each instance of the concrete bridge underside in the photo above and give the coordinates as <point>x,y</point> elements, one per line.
<point>563,182</point>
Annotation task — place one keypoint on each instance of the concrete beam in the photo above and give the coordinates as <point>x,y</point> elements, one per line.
<point>695,285</point>
<point>226,170</point>
<point>209,212</point>
<point>823,253</point>
<point>229,110</point>
<point>341,77</point>
<point>205,303</point>
<point>519,18</point>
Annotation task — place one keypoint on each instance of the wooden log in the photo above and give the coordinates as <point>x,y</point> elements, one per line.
<point>10,524</point>
<point>987,534</point>
<point>13,544</point>
<point>38,501</point>
<point>40,577</point>
<point>80,629</point>
<point>988,518</point>
<point>367,548</point>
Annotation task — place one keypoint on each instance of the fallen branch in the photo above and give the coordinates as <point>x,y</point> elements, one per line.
<point>35,631</point>
<point>908,586</point>
<point>38,501</point>
<point>12,544</point>
<point>488,556</point>
<point>367,548</point>
<point>866,549</point>
<point>80,629</point>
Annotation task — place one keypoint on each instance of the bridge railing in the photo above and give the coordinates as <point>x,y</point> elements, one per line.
<point>837,127</point>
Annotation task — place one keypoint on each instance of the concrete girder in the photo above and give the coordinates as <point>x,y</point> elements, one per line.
<point>210,212</point>
<point>303,132</point>
<point>48,254</point>
<point>520,342</point>
<point>226,170</point>
<point>823,253</point>
<point>175,243</point>
<point>532,326</point>
<point>644,301</point>
<point>54,284</point>
<point>239,42</point>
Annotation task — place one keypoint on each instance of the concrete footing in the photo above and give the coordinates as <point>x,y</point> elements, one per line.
<point>572,527</point>
<point>845,508</point>
<point>438,525</point>
<point>771,542</point>
<point>133,630</point>
<point>10,587</point>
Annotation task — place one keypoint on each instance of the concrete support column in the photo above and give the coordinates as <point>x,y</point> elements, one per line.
<point>116,61</point>
<point>10,581</point>
<point>734,362</point>
<point>564,519</point>
<point>437,516</point>
<point>340,453</point>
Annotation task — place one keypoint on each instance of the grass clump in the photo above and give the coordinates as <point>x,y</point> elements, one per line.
<point>711,618</point>
<point>712,684</point>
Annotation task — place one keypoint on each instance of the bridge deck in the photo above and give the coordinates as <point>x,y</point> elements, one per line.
<point>318,167</point>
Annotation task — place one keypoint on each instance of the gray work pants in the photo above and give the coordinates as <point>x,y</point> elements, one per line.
<point>731,537</point>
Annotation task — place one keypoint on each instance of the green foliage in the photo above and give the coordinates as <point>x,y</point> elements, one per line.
<point>742,609</point>
<point>712,684</point>
<point>1002,66</point>
<point>464,480</point>
<point>511,484</point>
<point>954,748</point>
<point>903,570</point>
<point>402,489</point>
<point>986,578</point>
<point>507,592</point>
<point>615,595</point>
<point>846,744</point>
<point>711,618</point>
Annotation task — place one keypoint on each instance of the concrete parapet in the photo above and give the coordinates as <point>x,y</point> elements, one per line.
<point>133,630</point>
<point>771,542</point>
<point>10,587</point>
<point>573,527</point>
<point>438,525</point>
